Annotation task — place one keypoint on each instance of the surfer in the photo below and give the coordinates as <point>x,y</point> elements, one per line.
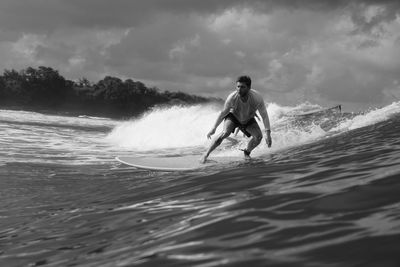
<point>239,112</point>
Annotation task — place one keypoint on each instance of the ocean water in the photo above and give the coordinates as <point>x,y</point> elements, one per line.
<point>327,193</point>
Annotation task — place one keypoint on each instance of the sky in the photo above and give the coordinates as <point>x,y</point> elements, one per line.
<point>326,52</point>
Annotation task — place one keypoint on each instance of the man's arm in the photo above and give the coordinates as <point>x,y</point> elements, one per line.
<point>221,116</point>
<point>264,115</point>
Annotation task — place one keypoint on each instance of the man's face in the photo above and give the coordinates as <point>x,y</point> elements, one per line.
<point>242,88</point>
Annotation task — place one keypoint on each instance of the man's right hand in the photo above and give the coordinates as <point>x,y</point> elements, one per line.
<point>211,133</point>
<point>268,138</point>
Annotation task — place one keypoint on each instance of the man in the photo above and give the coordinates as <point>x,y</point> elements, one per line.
<point>238,112</point>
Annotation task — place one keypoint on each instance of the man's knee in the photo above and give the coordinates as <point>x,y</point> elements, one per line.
<point>221,137</point>
<point>258,138</point>
<point>225,134</point>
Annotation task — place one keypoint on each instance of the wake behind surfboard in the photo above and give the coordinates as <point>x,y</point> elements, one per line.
<point>183,163</point>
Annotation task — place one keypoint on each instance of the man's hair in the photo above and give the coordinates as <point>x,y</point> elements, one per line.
<point>244,79</point>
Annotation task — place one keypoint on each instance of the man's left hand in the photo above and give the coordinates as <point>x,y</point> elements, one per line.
<point>268,140</point>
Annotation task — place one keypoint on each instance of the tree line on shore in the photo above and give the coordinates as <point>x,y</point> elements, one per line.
<point>44,89</point>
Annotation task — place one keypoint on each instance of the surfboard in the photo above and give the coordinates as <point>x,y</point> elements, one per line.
<point>169,164</point>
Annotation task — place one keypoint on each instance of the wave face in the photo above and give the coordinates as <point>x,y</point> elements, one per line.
<point>182,127</point>
<point>325,194</point>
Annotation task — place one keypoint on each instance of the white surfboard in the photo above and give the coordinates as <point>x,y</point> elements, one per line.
<point>184,163</point>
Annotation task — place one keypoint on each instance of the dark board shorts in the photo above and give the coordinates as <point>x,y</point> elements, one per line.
<point>237,124</point>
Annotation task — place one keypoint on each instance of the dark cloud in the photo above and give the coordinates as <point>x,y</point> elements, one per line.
<point>344,86</point>
<point>336,50</point>
<point>372,24</point>
<point>357,80</point>
<point>55,54</point>
<point>145,51</point>
<point>49,15</point>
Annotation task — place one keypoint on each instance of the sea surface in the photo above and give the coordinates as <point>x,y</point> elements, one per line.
<point>327,193</point>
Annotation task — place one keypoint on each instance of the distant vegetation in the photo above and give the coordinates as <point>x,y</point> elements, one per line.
<point>44,89</point>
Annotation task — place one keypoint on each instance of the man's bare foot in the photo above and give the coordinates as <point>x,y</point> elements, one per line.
<point>246,154</point>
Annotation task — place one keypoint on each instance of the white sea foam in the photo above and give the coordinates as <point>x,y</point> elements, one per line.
<point>166,128</point>
<point>179,127</point>
<point>369,118</point>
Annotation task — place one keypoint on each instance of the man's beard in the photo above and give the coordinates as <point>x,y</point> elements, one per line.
<point>243,94</point>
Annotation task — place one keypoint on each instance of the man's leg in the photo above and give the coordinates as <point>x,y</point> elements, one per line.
<point>228,128</point>
<point>256,137</point>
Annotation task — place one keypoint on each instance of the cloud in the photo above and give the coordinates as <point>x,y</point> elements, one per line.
<point>50,15</point>
<point>331,51</point>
